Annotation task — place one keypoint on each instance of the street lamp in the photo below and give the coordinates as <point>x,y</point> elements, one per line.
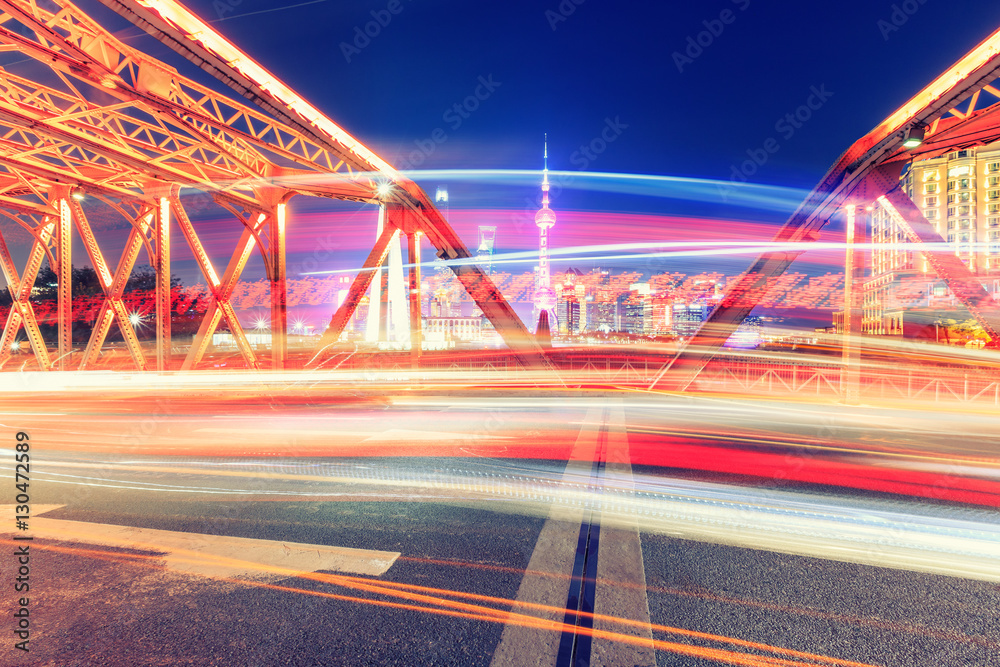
<point>913,136</point>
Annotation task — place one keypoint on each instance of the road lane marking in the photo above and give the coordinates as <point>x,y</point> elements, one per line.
<point>621,586</point>
<point>216,556</point>
<point>575,643</point>
<point>621,575</point>
<point>554,554</point>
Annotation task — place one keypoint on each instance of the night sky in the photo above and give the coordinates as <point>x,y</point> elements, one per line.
<point>688,89</point>
<point>609,60</point>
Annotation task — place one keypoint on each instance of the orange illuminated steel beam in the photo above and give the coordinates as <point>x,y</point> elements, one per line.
<point>128,158</point>
<point>171,23</point>
<point>852,171</point>
<point>221,131</point>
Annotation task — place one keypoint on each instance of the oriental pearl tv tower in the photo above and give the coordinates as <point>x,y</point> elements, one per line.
<point>545,296</point>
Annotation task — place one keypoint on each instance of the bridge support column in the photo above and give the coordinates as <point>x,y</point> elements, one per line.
<point>164,302</point>
<point>64,257</point>
<point>279,289</point>
<point>416,332</point>
<point>850,377</point>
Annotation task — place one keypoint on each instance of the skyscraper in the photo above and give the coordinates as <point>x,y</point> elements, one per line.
<point>545,296</point>
<point>484,252</point>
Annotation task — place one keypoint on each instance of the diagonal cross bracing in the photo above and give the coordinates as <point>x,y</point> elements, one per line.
<point>360,284</point>
<point>222,290</point>
<point>21,313</point>
<point>113,286</point>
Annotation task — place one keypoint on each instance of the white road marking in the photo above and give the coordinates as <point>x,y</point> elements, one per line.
<point>621,587</point>
<point>216,556</point>
<point>621,575</point>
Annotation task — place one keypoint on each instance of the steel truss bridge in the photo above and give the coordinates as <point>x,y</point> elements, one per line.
<point>100,119</point>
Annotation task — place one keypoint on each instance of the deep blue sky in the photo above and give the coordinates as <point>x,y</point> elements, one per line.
<point>609,60</point>
<point>606,60</point>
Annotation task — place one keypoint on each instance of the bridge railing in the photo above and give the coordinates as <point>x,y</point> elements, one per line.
<point>939,385</point>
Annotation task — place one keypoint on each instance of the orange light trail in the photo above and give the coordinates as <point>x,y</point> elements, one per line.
<point>788,609</point>
<point>429,595</point>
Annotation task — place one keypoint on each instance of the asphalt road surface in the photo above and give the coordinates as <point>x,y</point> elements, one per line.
<point>331,526</point>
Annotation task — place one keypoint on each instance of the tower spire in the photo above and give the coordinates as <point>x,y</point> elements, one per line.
<point>545,296</point>
<point>545,174</point>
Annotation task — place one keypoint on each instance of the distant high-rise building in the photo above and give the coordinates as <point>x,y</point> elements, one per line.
<point>663,313</point>
<point>441,203</point>
<point>636,310</point>
<point>687,318</point>
<point>442,306</point>
<point>441,199</point>
<point>571,303</point>
<point>602,311</point>
<point>484,252</point>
